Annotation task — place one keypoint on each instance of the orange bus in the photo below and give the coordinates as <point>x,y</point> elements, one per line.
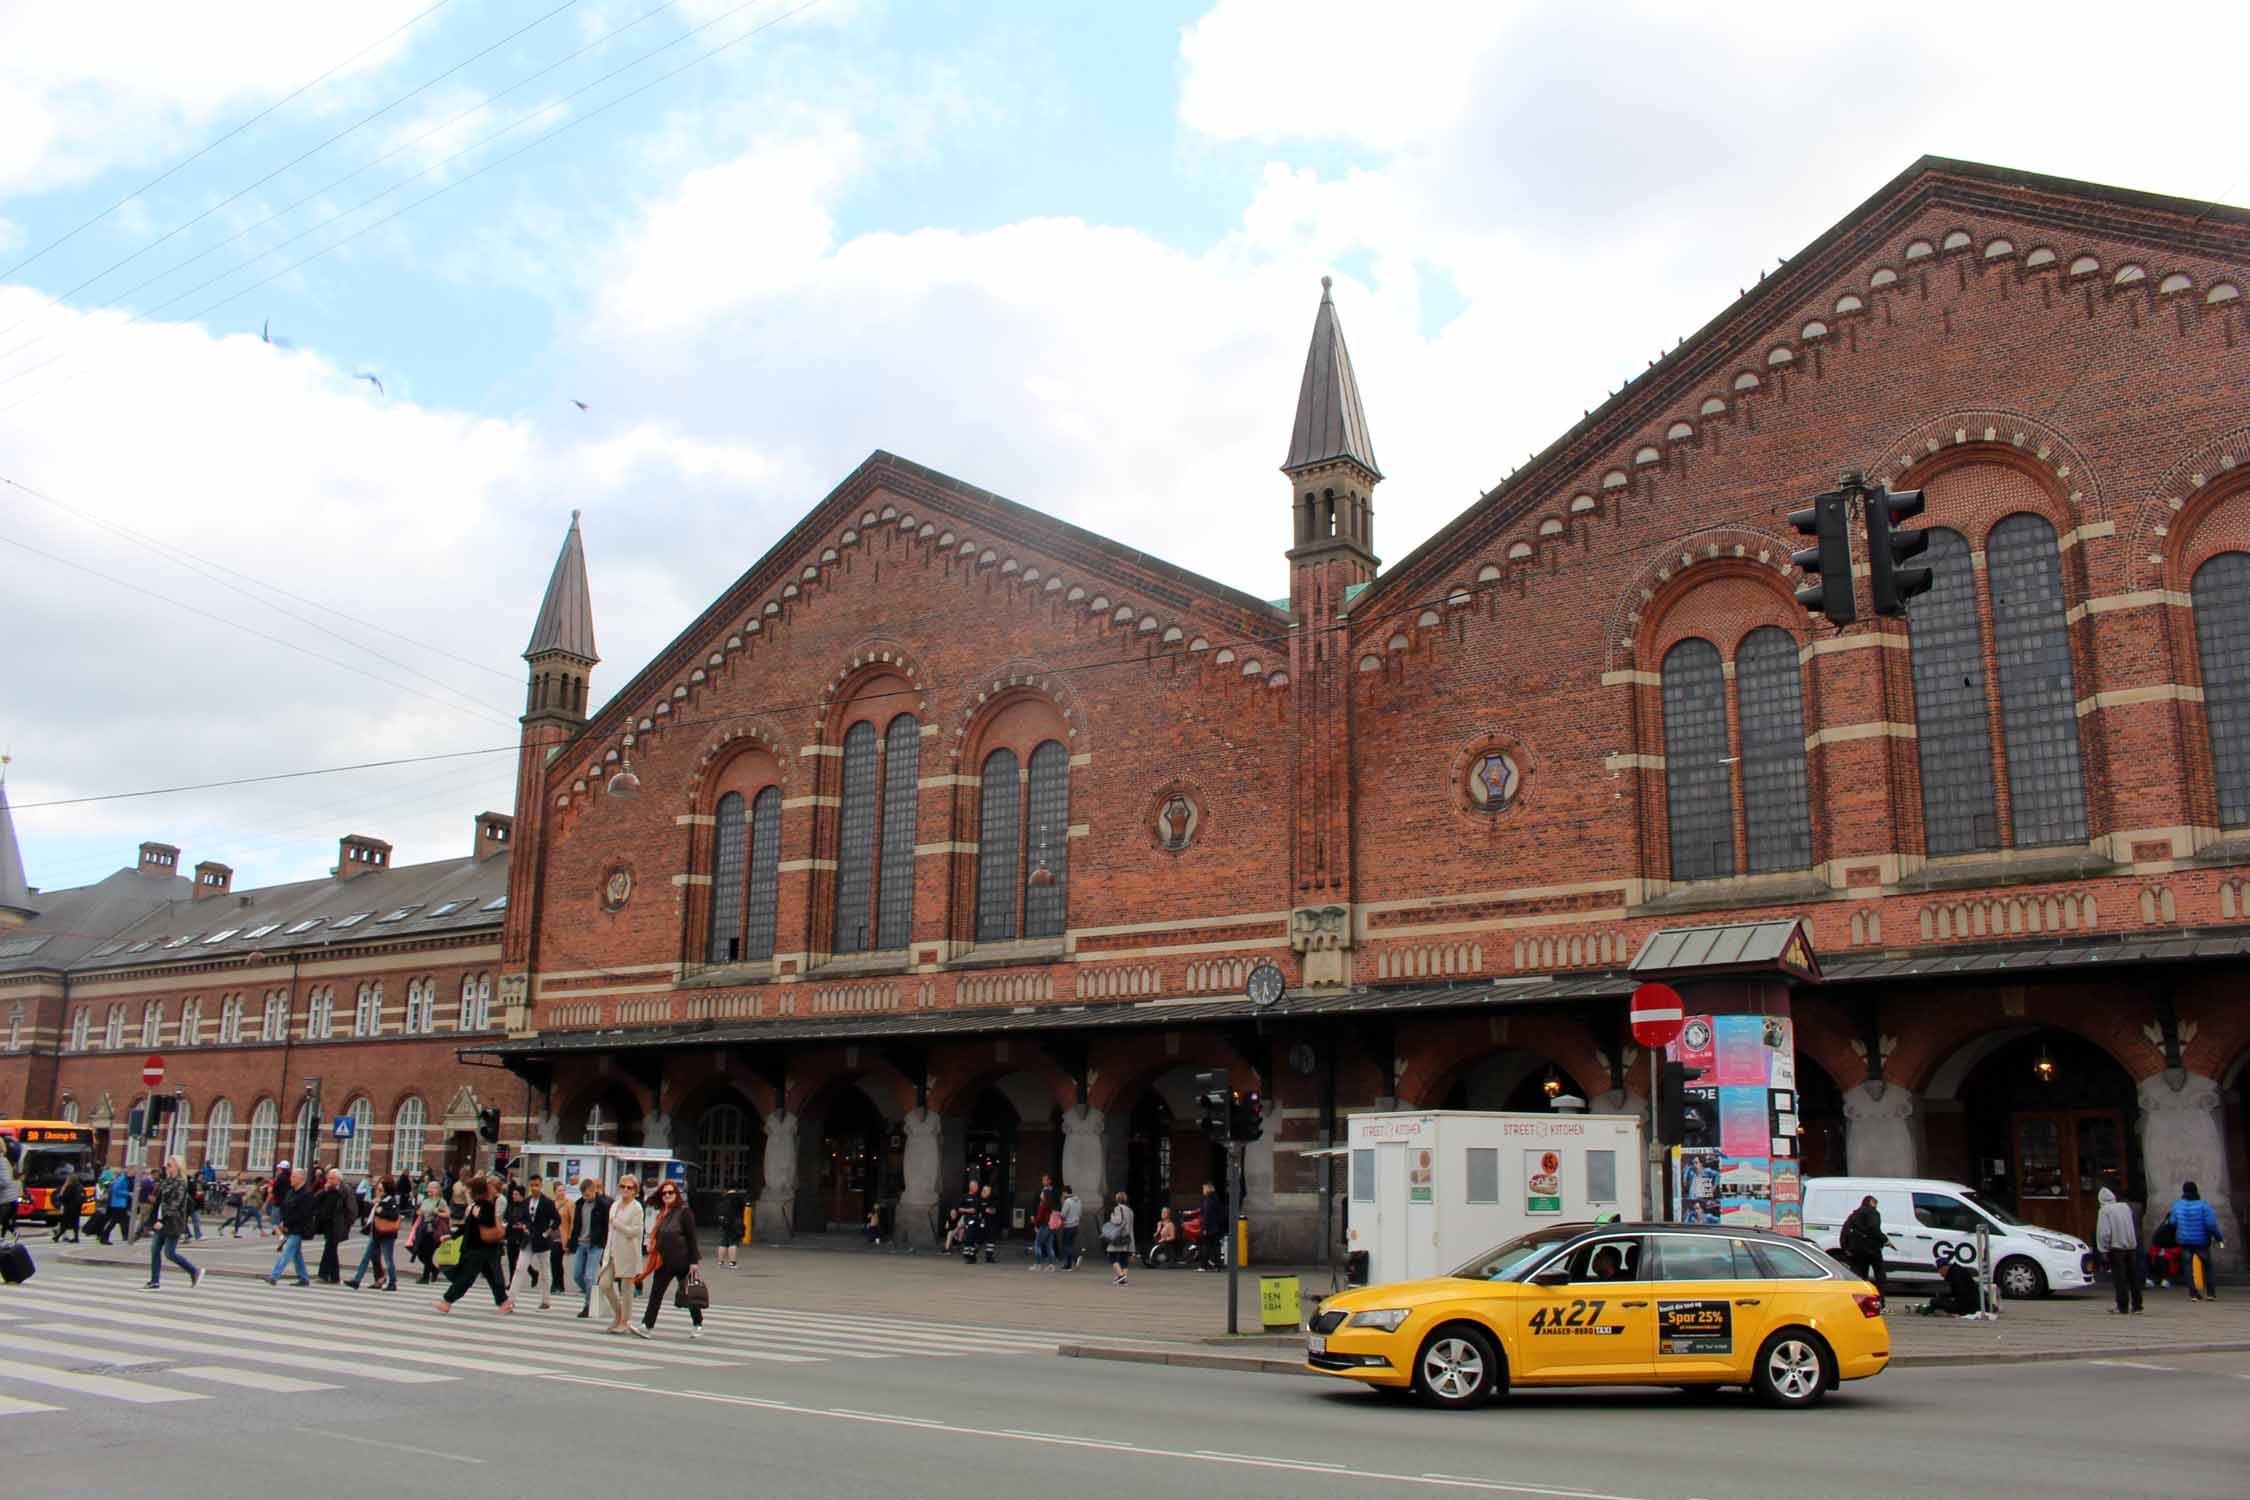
<point>50,1150</point>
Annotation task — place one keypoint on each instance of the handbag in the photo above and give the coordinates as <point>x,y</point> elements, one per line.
<point>448,1254</point>
<point>694,1291</point>
<point>1113,1230</point>
<point>1054,1219</point>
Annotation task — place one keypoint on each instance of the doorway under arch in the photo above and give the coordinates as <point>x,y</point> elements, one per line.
<point>2038,1120</point>
<point>1511,1079</point>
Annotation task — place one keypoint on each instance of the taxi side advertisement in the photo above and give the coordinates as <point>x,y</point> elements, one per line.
<point>1703,1326</point>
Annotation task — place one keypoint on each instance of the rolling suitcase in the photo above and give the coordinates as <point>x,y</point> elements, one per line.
<point>15,1263</point>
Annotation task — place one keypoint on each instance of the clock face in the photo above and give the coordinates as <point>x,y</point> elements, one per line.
<point>1266,984</point>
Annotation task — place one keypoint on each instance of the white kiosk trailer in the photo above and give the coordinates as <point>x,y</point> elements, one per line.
<point>1431,1188</point>
<point>608,1163</point>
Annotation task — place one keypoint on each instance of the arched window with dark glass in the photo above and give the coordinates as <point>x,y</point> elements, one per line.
<point>1770,703</point>
<point>1047,842</point>
<point>765,874</point>
<point>729,850</point>
<point>2221,594</point>
<point>855,841</point>
<point>1698,782</point>
<point>902,787</point>
<point>2038,690</point>
<point>999,842</point>
<point>1952,738</point>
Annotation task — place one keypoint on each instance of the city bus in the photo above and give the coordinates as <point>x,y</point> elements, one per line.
<point>50,1149</point>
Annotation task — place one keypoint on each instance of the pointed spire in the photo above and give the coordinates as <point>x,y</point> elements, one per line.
<point>15,891</point>
<point>1331,423</point>
<point>566,616</point>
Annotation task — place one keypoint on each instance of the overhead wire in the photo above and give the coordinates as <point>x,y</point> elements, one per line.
<point>188,161</point>
<point>307,154</point>
<point>571,124</point>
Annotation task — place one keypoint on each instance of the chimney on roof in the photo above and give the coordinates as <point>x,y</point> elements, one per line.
<point>212,879</point>
<point>159,859</point>
<point>492,833</point>
<point>357,855</point>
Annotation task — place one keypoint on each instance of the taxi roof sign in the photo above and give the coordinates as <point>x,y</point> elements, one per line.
<point>1782,945</point>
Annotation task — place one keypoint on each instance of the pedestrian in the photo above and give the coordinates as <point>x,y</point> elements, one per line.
<point>2117,1239</point>
<point>144,1205</point>
<point>196,1184</point>
<point>70,1198</point>
<point>119,1207</point>
<point>1073,1213</point>
<point>433,1226</point>
<point>1211,1228</point>
<point>988,1225</point>
<point>1046,1226</point>
<point>2195,1225</point>
<point>673,1256</point>
<point>366,1204</point>
<point>622,1251</point>
<point>540,1225</point>
<point>175,1196</point>
<point>731,1204</point>
<point>11,1188</point>
<point>972,1214</point>
<point>1117,1235</point>
<point>482,1235</point>
<point>335,1210</point>
<point>383,1222</point>
<point>249,1201</point>
<point>1862,1241</point>
<point>585,1232</point>
<point>298,1221</point>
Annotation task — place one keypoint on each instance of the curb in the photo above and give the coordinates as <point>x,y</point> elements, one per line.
<point>1251,1364</point>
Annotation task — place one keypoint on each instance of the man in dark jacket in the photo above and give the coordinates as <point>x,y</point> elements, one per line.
<point>589,1236</point>
<point>1212,1227</point>
<point>535,1217</point>
<point>1862,1241</point>
<point>972,1215</point>
<point>335,1210</point>
<point>298,1221</point>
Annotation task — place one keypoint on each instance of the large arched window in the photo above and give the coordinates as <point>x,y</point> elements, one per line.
<point>745,877</point>
<point>274,1026</point>
<point>879,801</point>
<point>1023,844</point>
<point>81,1022</point>
<point>2221,594</point>
<point>367,1011</point>
<point>2038,691</point>
<point>320,1013</point>
<point>406,1134</point>
<point>152,1025</point>
<point>1952,737</point>
<point>191,1021</point>
<point>265,1125</point>
<point>304,1136</point>
<point>1770,704</point>
<point>724,1135</point>
<point>218,1136</point>
<point>15,1028</point>
<point>352,1156</point>
<point>113,1028</point>
<point>1698,782</point>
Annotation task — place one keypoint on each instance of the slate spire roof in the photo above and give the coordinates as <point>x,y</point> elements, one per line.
<point>15,891</point>
<point>1331,423</point>
<point>566,616</point>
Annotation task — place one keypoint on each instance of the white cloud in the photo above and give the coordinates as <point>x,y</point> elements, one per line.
<point>87,87</point>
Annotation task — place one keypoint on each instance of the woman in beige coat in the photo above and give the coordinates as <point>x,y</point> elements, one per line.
<point>624,1254</point>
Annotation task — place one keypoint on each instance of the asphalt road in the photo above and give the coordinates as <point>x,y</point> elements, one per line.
<point>109,1390</point>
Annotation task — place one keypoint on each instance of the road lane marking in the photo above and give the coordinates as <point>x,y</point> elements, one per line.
<point>349,1437</point>
<point>1064,1437</point>
<point>85,1354</point>
<point>363,1371</point>
<point>1309,1463</point>
<point>256,1380</point>
<point>2134,1364</point>
<point>138,1393</point>
<point>1017,1435</point>
<point>11,1407</point>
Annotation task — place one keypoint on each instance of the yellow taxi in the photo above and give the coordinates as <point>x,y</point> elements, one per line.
<point>1613,1304</point>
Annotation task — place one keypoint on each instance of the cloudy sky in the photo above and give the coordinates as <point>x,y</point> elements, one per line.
<point>1067,251</point>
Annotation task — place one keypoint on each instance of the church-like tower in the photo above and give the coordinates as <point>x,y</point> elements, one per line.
<point>1332,479</point>
<point>562,660</point>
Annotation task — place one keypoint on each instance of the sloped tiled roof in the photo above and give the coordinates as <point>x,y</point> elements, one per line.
<point>1331,423</point>
<point>72,923</point>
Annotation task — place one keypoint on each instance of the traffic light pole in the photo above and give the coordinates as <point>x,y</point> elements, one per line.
<point>1232,1241</point>
<point>1663,1194</point>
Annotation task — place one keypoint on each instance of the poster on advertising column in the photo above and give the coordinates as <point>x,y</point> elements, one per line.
<point>1745,1172</point>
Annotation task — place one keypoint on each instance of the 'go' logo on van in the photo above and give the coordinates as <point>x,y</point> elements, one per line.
<point>1965,1253</point>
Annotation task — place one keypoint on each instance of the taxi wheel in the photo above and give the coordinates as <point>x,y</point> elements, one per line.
<point>2020,1278</point>
<point>1792,1369</point>
<point>1457,1368</point>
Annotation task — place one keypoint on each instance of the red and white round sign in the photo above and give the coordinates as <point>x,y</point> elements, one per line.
<point>1657,1014</point>
<point>152,1071</point>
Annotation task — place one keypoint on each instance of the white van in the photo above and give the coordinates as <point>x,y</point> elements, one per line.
<point>1933,1223</point>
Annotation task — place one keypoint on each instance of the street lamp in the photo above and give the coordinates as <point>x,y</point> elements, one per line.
<point>625,783</point>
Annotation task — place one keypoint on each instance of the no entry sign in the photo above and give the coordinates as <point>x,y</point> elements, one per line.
<point>1657,1012</point>
<point>152,1071</point>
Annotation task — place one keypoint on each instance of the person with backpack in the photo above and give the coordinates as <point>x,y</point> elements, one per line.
<point>481,1235</point>
<point>2195,1228</point>
<point>1862,1240</point>
<point>168,1223</point>
<point>1117,1238</point>
<point>117,1207</point>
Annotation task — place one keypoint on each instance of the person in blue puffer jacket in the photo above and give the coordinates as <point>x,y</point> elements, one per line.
<point>2196,1224</point>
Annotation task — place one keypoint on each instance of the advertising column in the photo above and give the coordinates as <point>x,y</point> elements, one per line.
<point>1738,1165</point>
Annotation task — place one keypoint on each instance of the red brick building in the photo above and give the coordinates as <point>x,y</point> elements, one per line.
<point>275,1010</point>
<point>944,840</point>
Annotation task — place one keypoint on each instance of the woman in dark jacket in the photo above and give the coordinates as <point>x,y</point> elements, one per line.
<point>672,1253</point>
<point>336,1210</point>
<point>69,1199</point>
<point>382,1242</point>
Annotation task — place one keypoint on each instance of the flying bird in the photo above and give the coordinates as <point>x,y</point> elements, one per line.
<point>574,401</point>
<point>371,380</point>
<point>265,333</point>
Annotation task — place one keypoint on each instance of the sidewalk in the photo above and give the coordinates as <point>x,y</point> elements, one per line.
<point>1180,1316</point>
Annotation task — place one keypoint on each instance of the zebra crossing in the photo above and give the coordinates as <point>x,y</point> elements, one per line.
<point>74,1334</point>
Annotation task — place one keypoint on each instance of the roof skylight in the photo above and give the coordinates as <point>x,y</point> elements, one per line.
<point>353,920</point>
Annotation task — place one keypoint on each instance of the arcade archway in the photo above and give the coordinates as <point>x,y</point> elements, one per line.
<point>2038,1120</point>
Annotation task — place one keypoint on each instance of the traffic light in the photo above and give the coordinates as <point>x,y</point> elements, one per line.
<point>1214,1104</point>
<point>1676,1119</point>
<point>488,1124</point>
<point>1887,547</point>
<point>1246,1116</point>
<point>1828,565</point>
<point>160,1108</point>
